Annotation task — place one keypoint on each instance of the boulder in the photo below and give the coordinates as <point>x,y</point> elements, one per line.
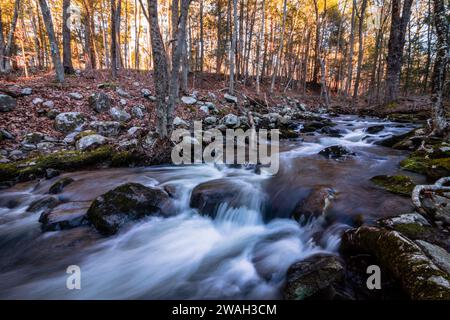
<point>319,277</point>
<point>69,121</point>
<point>119,114</point>
<point>209,121</point>
<point>127,202</point>
<point>374,129</point>
<point>59,185</point>
<point>7,103</point>
<point>188,100</point>
<point>315,205</point>
<point>33,138</point>
<point>26,91</point>
<point>106,128</point>
<point>438,255</point>
<point>100,102</point>
<point>418,275</point>
<point>122,93</point>
<point>437,206</point>
<point>90,142</point>
<point>48,104</point>
<point>76,95</point>
<point>44,204</point>
<point>51,173</point>
<point>180,123</point>
<point>335,152</point>
<point>230,98</point>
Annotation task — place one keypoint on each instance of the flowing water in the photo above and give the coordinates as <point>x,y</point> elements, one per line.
<point>242,253</point>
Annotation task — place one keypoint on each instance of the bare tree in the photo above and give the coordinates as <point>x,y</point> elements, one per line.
<point>440,125</point>
<point>6,48</point>
<point>260,48</point>
<point>54,49</point>
<point>233,48</point>
<point>395,48</point>
<point>360,50</point>
<point>280,48</point>
<point>67,51</point>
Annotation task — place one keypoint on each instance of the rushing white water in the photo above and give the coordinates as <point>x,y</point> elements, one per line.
<point>239,254</point>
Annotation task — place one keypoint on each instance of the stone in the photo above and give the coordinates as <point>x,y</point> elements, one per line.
<point>100,102</point>
<point>45,146</point>
<point>188,100</point>
<point>48,104</point>
<point>374,129</point>
<point>69,121</point>
<point>7,103</point>
<point>211,106</point>
<point>130,201</point>
<point>319,277</point>
<point>134,132</point>
<point>58,186</point>
<point>26,91</point>
<point>438,255</point>
<point>146,93</point>
<point>180,123</point>
<point>209,121</point>
<point>231,121</point>
<point>106,128</point>
<point>204,109</point>
<point>138,111</point>
<point>65,216</point>
<point>399,184</point>
<point>33,138</point>
<point>76,95</point>
<point>90,142</point>
<point>70,138</point>
<point>122,93</point>
<point>230,98</point>
<point>51,173</point>
<point>37,101</point>
<point>119,114</point>
<point>315,205</point>
<point>335,152</point>
<point>4,134</point>
<point>43,204</point>
<point>123,102</point>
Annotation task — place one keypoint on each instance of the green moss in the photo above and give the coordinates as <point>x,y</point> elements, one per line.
<point>391,105</point>
<point>397,184</point>
<point>107,85</point>
<point>412,230</point>
<point>85,133</point>
<point>63,160</point>
<point>125,158</point>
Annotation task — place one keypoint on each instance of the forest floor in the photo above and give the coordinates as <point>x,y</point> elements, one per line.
<point>27,116</point>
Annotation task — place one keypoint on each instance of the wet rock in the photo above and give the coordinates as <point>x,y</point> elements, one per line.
<point>315,205</point>
<point>208,196</point>
<point>7,103</point>
<point>65,216</point>
<point>28,146</point>
<point>52,113</point>
<point>419,277</point>
<point>230,98</point>
<point>59,185</point>
<point>333,132</point>
<point>119,114</point>
<point>392,140</point>
<point>437,206</point>
<point>319,277</point>
<point>138,111</point>
<point>438,255</point>
<point>100,102</point>
<point>335,152</point>
<point>399,184</point>
<point>312,126</point>
<point>44,204</point>
<point>188,100</point>
<point>106,128</point>
<point>90,142</point>
<point>51,173</point>
<point>231,121</point>
<point>289,134</point>
<point>76,95</point>
<point>127,202</point>
<point>374,129</point>
<point>69,121</point>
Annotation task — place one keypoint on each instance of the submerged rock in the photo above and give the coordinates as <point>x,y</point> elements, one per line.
<point>399,184</point>
<point>335,152</point>
<point>65,216</point>
<point>58,186</point>
<point>315,205</point>
<point>374,129</point>
<point>127,202</point>
<point>319,277</point>
<point>44,204</point>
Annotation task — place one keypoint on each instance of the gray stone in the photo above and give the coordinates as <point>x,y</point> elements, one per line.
<point>26,91</point>
<point>138,111</point>
<point>180,123</point>
<point>37,101</point>
<point>204,109</point>
<point>230,98</point>
<point>100,102</point>
<point>33,138</point>
<point>106,128</point>
<point>7,103</point>
<point>65,216</point>
<point>134,131</point>
<point>209,121</point>
<point>4,134</point>
<point>70,138</point>
<point>69,121</point>
<point>146,93</point>
<point>76,95</point>
<point>122,93</point>
<point>48,104</point>
<point>438,255</point>
<point>231,121</point>
<point>188,100</point>
<point>90,142</point>
<point>119,114</point>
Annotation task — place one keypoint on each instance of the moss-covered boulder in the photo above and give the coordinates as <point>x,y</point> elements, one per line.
<point>69,121</point>
<point>419,277</point>
<point>433,161</point>
<point>320,276</point>
<point>130,201</point>
<point>398,184</point>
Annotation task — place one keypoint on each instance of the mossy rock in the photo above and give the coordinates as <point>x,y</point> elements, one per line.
<point>432,168</point>
<point>59,185</point>
<point>130,201</point>
<point>398,184</point>
<point>126,158</point>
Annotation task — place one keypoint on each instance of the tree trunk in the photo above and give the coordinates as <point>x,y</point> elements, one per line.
<point>113,40</point>
<point>67,51</point>
<point>260,55</point>
<point>280,48</point>
<point>5,59</point>
<point>360,51</point>
<point>395,48</point>
<point>440,125</point>
<point>348,83</point>
<point>54,49</point>
<point>233,48</point>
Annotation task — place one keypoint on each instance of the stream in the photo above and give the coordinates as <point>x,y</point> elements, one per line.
<point>242,253</point>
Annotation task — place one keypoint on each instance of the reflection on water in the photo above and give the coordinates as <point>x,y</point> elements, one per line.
<point>243,252</point>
